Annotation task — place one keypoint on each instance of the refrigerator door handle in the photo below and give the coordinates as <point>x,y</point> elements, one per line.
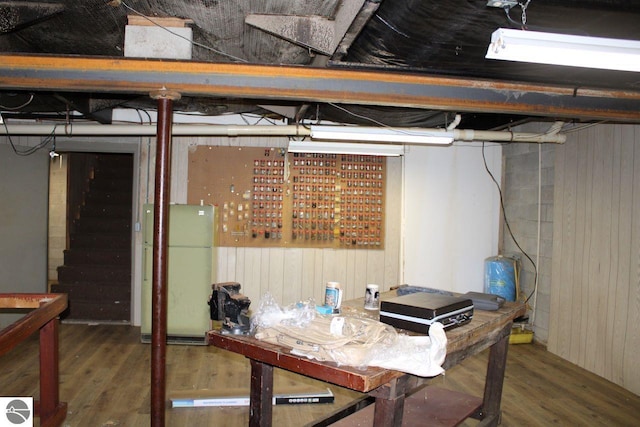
<point>144,267</point>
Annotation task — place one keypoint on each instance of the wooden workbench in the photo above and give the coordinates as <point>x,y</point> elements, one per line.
<point>42,317</point>
<point>487,329</point>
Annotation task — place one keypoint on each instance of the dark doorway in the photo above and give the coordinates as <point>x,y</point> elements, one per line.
<point>96,273</point>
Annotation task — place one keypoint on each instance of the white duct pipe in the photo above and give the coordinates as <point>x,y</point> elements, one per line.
<point>454,124</point>
<point>507,136</point>
<point>85,129</point>
<point>150,130</point>
<point>555,128</point>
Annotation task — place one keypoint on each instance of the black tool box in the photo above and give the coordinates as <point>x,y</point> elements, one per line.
<point>418,311</point>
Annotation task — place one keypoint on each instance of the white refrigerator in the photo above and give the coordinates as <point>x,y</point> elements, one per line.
<point>190,272</point>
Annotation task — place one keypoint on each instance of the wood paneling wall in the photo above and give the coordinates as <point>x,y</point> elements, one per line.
<point>294,274</point>
<point>595,297</point>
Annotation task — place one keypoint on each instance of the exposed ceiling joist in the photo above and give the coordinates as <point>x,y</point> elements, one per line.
<point>358,22</point>
<point>18,14</point>
<point>314,32</point>
<point>245,81</point>
<point>319,33</point>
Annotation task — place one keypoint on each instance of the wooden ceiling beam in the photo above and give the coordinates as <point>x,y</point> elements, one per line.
<point>306,84</point>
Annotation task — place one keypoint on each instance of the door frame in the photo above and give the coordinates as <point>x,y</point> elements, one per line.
<point>117,145</point>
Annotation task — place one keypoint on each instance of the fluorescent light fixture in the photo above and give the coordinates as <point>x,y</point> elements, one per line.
<point>560,49</point>
<point>345,148</point>
<point>379,134</point>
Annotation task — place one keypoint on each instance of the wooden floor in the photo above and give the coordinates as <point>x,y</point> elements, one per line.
<point>104,374</point>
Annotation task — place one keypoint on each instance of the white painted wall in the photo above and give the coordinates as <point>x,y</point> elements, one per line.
<point>451,215</point>
<point>294,274</point>
<point>442,222</point>
<point>23,222</point>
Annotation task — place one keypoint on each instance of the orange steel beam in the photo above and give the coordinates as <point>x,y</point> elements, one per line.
<point>306,84</point>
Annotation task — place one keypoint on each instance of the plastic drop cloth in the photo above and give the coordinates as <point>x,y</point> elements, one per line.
<point>348,340</point>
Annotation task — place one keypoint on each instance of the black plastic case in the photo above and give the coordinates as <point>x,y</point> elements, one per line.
<point>418,311</point>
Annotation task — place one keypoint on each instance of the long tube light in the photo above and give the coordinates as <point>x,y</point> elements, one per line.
<point>561,49</point>
<point>380,134</point>
<point>346,148</point>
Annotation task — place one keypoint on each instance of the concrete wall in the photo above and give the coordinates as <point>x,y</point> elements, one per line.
<point>526,167</point>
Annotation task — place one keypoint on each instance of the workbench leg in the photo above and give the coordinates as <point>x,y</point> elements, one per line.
<point>51,411</point>
<point>389,406</point>
<point>388,412</point>
<point>495,379</point>
<point>261,397</point>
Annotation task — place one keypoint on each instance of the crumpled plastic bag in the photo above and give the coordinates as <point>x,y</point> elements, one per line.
<point>348,340</point>
<point>270,313</point>
<point>421,355</point>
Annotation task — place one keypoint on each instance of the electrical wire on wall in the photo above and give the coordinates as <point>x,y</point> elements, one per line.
<point>506,221</point>
<point>539,231</point>
<point>29,151</point>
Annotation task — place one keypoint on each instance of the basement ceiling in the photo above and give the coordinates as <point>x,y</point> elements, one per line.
<point>428,38</point>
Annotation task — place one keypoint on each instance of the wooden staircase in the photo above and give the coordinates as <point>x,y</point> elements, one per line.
<point>97,262</point>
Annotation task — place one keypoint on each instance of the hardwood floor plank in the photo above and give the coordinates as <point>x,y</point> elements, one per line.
<point>105,376</point>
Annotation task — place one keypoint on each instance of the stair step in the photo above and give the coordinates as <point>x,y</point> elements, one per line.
<point>94,273</point>
<point>108,210</point>
<point>112,171</point>
<point>114,161</point>
<point>112,293</point>
<point>100,240</point>
<point>102,224</point>
<point>93,311</point>
<point>108,196</point>
<point>97,271</point>
<point>111,184</point>
<point>97,256</point>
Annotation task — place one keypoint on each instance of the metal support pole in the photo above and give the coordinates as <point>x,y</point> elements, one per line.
<point>160,256</point>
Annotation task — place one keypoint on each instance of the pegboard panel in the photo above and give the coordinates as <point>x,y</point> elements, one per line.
<point>269,198</point>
